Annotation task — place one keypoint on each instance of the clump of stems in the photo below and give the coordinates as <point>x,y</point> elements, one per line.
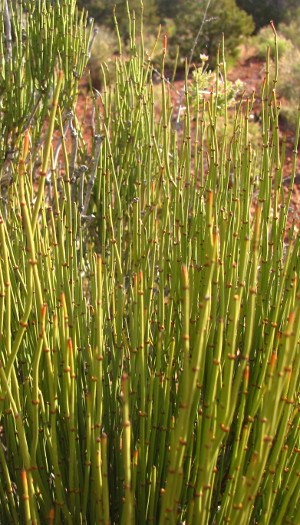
<point>149,368</point>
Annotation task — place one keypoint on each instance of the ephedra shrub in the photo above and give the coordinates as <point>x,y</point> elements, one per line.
<point>149,311</point>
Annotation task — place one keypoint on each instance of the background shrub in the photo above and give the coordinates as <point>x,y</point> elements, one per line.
<point>289,86</point>
<point>101,11</point>
<point>288,43</point>
<point>181,20</point>
<point>263,11</point>
<point>290,29</point>
<point>222,17</point>
<point>105,46</point>
<point>265,39</point>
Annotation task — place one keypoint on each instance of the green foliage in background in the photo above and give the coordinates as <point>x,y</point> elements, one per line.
<point>263,11</point>
<point>221,17</point>
<point>102,12</point>
<point>290,88</point>
<point>289,61</point>
<point>288,47</point>
<point>264,40</point>
<point>105,48</point>
<point>149,307</point>
<point>290,28</point>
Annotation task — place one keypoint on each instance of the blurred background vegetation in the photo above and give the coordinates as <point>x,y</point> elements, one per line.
<point>195,27</point>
